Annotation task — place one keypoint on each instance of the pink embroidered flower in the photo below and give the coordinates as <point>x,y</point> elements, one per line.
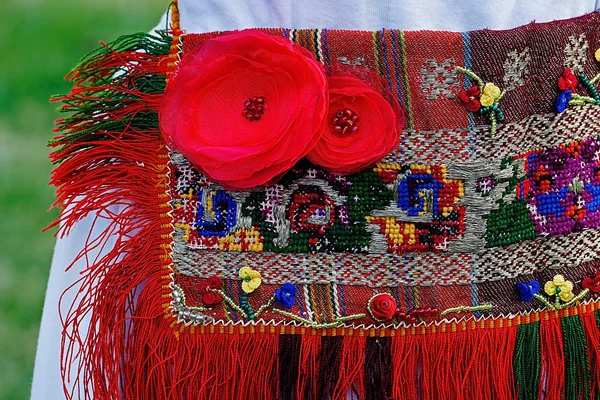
<point>470,98</point>
<point>362,127</point>
<point>568,81</point>
<point>382,306</point>
<point>245,107</point>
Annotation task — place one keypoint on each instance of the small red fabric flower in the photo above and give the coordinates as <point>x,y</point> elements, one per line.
<point>382,306</point>
<point>362,127</point>
<point>470,98</point>
<point>245,107</point>
<point>592,284</point>
<point>568,81</point>
<point>210,298</point>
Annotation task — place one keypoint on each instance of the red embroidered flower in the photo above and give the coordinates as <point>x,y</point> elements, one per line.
<point>592,284</point>
<point>568,81</point>
<point>362,127</point>
<point>245,107</point>
<point>382,306</point>
<point>210,298</point>
<point>470,98</point>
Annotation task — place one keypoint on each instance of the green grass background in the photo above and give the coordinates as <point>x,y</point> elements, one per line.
<point>39,42</point>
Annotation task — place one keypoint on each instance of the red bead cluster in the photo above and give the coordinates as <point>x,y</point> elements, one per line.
<point>254,108</point>
<point>345,122</point>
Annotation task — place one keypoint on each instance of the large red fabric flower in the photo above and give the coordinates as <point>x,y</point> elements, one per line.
<point>245,107</point>
<point>362,127</point>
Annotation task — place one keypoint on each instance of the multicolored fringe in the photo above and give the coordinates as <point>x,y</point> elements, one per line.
<point>110,154</point>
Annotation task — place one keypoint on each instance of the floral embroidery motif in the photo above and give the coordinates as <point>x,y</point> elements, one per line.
<point>516,68</point>
<point>489,97</point>
<point>250,279</point>
<point>439,79</point>
<point>568,84</point>
<point>527,291</point>
<point>286,295</point>
<point>576,52</point>
<point>592,283</point>
<point>558,288</point>
<point>382,306</point>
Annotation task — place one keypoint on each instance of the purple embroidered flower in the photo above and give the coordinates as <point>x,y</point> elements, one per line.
<point>564,188</point>
<point>563,100</point>
<point>286,295</point>
<point>528,290</point>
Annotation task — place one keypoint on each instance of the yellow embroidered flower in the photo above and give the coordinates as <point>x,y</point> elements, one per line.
<point>558,285</point>
<point>250,279</point>
<point>597,55</point>
<point>490,93</point>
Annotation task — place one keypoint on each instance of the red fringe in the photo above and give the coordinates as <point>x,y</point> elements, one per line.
<point>110,173</point>
<point>552,374</point>
<point>592,336</point>
<point>472,364</point>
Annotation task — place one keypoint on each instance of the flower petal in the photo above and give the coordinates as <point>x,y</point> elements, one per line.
<point>486,100</point>
<point>566,296</point>
<point>246,287</point>
<point>550,288</point>
<point>254,283</point>
<point>245,272</point>
<point>558,280</point>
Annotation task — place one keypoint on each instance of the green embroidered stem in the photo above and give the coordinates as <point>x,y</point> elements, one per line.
<point>590,87</point>
<point>544,301</point>
<point>481,307</point>
<point>337,322</point>
<point>575,299</point>
<point>246,306</point>
<point>595,79</point>
<point>264,307</point>
<point>585,99</point>
<point>472,75</point>
<point>500,97</point>
<point>493,124</point>
<point>229,301</point>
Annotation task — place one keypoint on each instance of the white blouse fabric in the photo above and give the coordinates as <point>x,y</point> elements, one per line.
<point>212,15</point>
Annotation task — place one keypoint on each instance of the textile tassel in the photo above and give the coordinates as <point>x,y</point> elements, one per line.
<point>308,367</point>
<point>527,361</point>
<point>108,151</point>
<point>592,335</point>
<point>289,358</point>
<point>469,364</point>
<point>351,372</point>
<point>329,362</point>
<point>378,368</point>
<point>577,371</point>
<point>552,376</point>
<point>196,364</point>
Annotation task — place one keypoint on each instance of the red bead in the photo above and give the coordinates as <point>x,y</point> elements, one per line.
<point>345,122</point>
<point>254,108</point>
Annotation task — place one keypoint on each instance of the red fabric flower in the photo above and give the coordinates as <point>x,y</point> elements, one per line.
<point>210,298</point>
<point>592,284</point>
<point>382,306</point>
<point>471,98</point>
<point>245,107</point>
<point>362,127</point>
<point>568,81</point>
